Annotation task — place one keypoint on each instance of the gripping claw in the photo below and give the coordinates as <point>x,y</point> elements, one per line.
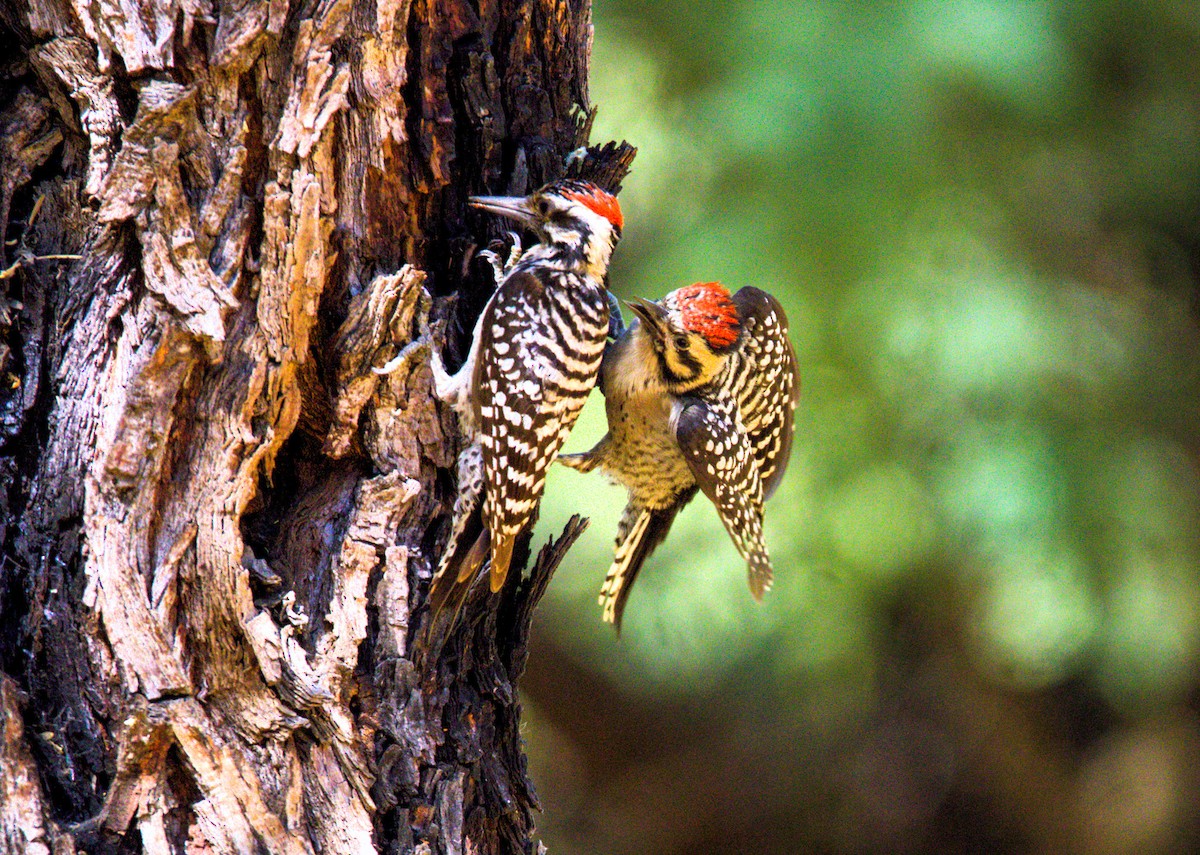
<point>493,259</point>
<point>515,252</point>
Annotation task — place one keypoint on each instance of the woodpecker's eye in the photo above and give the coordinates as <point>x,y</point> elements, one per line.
<point>682,342</point>
<point>543,207</point>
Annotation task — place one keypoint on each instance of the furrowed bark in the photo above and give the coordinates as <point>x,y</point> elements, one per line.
<point>217,519</point>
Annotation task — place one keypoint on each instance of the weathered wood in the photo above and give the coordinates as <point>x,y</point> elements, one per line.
<point>225,478</point>
<point>24,816</point>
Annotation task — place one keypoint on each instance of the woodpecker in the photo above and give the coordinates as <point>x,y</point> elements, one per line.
<point>700,392</point>
<point>534,358</point>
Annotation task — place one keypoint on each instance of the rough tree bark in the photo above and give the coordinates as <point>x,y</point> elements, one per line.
<point>217,522</point>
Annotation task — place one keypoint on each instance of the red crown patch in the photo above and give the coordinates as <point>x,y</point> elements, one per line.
<point>706,308</point>
<point>598,201</point>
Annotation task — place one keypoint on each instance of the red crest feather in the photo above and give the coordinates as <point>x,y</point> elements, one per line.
<point>706,308</point>
<point>599,201</point>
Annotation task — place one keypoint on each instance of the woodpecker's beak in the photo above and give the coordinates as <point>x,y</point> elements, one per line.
<point>653,315</point>
<point>514,207</point>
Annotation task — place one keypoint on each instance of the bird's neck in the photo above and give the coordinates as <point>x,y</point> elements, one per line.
<point>587,259</point>
<point>630,369</point>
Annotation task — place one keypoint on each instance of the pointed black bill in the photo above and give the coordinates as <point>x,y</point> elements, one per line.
<point>652,314</point>
<point>514,207</point>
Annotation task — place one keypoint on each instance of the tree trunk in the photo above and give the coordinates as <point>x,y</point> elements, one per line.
<point>218,521</point>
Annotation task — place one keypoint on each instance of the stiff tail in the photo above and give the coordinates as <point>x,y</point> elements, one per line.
<point>760,574</point>
<point>455,574</point>
<point>469,541</point>
<point>623,572</point>
<point>640,532</point>
<point>502,550</point>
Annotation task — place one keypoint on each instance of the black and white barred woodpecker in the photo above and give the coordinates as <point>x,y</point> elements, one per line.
<point>534,358</point>
<point>700,392</point>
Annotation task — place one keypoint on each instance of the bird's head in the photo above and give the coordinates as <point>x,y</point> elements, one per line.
<point>692,331</point>
<point>577,219</point>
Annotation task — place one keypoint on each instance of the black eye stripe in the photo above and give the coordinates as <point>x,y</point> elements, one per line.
<point>689,364</point>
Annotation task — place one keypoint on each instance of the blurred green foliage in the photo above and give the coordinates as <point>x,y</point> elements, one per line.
<point>983,219</point>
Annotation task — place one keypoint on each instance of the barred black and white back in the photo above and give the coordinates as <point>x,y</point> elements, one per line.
<point>544,343</point>
<point>534,358</point>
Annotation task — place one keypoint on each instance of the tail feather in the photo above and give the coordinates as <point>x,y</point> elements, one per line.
<point>475,557</point>
<point>502,549</point>
<point>623,572</point>
<point>458,569</point>
<point>759,573</point>
<point>467,547</point>
<point>640,532</point>
<point>450,591</point>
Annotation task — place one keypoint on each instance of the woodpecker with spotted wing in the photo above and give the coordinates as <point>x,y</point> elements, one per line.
<point>700,393</point>
<point>535,356</point>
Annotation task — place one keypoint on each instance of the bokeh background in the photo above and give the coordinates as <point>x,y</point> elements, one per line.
<point>983,218</point>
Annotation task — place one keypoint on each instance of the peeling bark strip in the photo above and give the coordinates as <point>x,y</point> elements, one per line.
<point>223,479</point>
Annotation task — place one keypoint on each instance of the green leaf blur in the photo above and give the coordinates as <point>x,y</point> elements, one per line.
<point>983,219</point>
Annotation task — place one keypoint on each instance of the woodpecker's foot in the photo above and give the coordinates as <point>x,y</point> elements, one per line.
<point>453,389</point>
<point>501,270</point>
<point>586,461</point>
<point>444,383</point>
<point>514,252</point>
<point>410,352</point>
<point>493,259</point>
<point>581,462</point>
